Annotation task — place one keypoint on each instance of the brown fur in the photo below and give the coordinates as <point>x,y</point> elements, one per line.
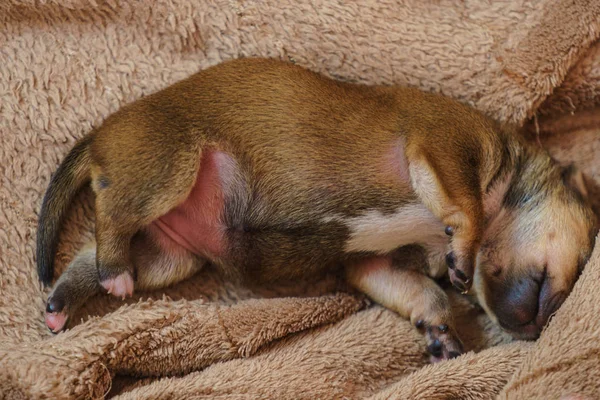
<point>307,148</point>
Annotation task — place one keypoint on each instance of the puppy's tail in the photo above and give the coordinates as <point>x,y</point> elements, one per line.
<point>66,182</point>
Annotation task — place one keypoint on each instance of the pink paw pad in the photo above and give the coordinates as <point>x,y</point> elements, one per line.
<point>56,321</point>
<point>120,286</point>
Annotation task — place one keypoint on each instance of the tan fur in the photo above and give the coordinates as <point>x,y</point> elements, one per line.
<point>311,155</point>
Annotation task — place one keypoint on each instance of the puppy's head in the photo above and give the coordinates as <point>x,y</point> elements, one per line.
<point>535,246</point>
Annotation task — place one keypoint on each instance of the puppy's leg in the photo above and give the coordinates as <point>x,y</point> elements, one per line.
<point>114,267</point>
<point>456,201</point>
<point>117,221</point>
<point>77,283</point>
<point>154,267</point>
<point>412,295</point>
<point>130,194</point>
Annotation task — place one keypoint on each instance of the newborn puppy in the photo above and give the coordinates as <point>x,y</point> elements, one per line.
<point>269,171</point>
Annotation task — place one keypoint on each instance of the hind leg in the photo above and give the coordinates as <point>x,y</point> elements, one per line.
<point>78,283</point>
<point>114,266</point>
<point>154,269</point>
<point>130,194</point>
<point>115,231</point>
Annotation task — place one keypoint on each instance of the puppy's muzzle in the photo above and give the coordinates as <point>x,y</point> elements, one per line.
<point>523,305</point>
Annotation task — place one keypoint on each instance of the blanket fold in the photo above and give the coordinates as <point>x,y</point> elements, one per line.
<point>158,338</point>
<point>472,376</point>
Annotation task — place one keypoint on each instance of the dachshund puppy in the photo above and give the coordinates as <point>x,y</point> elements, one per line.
<point>269,171</point>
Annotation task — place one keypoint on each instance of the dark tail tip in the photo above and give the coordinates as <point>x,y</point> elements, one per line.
<point>72,173</point>
<point>45,260</point>
<point>47,234</point>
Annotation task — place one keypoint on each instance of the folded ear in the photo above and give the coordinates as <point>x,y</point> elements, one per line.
<point>575,179</point>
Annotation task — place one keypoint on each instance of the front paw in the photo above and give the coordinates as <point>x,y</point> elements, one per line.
<point>460,273</point>
<point>442,342</point>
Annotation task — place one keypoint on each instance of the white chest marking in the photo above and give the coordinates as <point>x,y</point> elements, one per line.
<point>383,233</point>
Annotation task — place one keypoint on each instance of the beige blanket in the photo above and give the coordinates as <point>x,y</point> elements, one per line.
<point>67,64</point>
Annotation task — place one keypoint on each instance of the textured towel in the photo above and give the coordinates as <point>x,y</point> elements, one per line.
<point>67,64</point>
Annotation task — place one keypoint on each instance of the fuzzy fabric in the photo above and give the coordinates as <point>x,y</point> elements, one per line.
<point>580,89</point>
<point>67,64</point>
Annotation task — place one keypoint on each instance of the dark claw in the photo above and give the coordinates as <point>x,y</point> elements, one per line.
<point>461,275</point>
<point>460,286</point>
<point>451,260</point>
<point>460,281</point>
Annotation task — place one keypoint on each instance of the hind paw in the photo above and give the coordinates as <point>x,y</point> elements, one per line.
<point>56,315</point>
<point>120,286</point>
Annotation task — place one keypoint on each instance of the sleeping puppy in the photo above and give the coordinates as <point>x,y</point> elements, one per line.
<point>269,172</point>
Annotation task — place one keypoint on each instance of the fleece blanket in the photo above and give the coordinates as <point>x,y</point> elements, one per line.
<point>67,64</point>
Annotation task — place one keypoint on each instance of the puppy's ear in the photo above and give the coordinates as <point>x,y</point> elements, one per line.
<point>575,179</point>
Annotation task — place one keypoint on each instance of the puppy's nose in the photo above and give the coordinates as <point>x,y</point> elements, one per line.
<point>549,303</point>
<point>516,304</point>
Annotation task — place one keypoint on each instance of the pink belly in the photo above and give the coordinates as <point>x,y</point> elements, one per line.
<point>196,224</point>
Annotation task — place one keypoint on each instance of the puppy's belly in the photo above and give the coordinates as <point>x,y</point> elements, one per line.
<point>196,224</point>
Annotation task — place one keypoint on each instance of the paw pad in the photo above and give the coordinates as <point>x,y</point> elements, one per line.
<point>120,286</point>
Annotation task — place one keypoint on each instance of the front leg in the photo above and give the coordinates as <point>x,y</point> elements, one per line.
<point>455,199</point>
<point>414,296</point>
